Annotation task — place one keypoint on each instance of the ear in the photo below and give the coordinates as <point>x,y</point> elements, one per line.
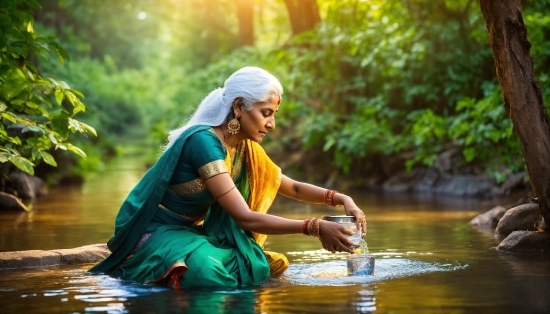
<point>238,107</point>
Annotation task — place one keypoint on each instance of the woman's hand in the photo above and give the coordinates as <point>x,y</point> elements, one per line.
<point>352,210</point>
<point>333,237</point>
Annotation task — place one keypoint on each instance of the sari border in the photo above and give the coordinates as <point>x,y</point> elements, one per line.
<point>188,188</point>
<point>170,269</point>
<point>212,168</point>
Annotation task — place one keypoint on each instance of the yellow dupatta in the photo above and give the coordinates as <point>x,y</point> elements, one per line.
<point>264,180</point>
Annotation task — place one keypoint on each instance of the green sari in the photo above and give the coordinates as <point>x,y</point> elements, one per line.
<point>171,230</point>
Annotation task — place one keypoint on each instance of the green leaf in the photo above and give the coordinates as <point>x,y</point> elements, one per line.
<point>79,94</point>
<point>59,96</point>
<point>88,128</point>
<point>75,126</point>
<point>32,105</point>
<point>23,164</point>
<point>61,53</point>
<point>77,151</point>
<point>330,141</point>
<point>49,159</point>
<point>34,4</point>
<point>36,129</point>
<point>5,157</point>
<point>53,139</point>
<point>15,140</point>
<point>8,116</point>
<point>36,154</point>
<point>31,66</point>
<point>469,154</point>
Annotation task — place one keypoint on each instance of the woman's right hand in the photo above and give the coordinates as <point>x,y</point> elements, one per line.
<point>333,237</point>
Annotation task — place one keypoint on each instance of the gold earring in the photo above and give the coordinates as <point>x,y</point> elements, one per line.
<point>234,126</point>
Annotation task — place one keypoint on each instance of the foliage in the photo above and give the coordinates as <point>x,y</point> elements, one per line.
<point>376,78</point>
<point>90,29</point>
<point>406,77</point>
<point>37,111</point>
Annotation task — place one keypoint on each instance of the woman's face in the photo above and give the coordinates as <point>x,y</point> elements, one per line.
<point>256,123</point>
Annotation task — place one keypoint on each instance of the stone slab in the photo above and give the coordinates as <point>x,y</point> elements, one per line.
<point>28,259</point>
<point>84,254</point>
<point>40,258</point>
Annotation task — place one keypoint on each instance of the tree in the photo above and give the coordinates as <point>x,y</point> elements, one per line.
<point>522,93</point>
<point>37,113</point>
<point>245,16</point>
<point>303,14</point>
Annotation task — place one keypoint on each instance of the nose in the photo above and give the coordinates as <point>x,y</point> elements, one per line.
<point>270,123</point>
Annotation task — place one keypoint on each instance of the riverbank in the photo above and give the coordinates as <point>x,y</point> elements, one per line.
<point>44,258</point>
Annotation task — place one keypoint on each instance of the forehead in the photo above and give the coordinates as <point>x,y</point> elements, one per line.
<point>273,102</point>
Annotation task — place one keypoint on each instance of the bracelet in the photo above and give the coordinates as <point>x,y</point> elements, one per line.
<point>226,192</point>
<point>304,226</point>
<point>325,196</point>
<point>318,227</point>
<point>329,197</point>
<point>310,227</point>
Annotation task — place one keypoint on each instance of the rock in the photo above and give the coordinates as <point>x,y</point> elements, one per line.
<point>431,180</point>
<point>28,259</point>
<point>402,181</point>
<point>38,258</point>
<point>512,182</point>
<point>84,254</point>
<point>11,203</point>
<point>22,185</point>
<point>427,180</point>
<point>465,185</point>
<point>448,159</point>
<point>490,218</point>
<point>526,241</point>
<point>523,217</point>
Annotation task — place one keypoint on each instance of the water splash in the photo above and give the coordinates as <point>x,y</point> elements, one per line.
<point>362,248</point>
<point>334,273</point>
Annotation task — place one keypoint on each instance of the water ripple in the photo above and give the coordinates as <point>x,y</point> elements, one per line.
<point>334,273</point>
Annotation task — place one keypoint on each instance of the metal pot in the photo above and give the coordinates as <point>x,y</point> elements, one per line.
<point>350,223</point>
<point>340,219</point>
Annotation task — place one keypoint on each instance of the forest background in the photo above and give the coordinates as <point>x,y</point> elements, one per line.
<point>372,87</point>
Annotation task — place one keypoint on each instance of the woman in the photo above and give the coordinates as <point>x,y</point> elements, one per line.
<point>198,216</point>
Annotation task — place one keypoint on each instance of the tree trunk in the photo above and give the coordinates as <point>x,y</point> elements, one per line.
<point>245,15</point>
<point>303,14</point>
<point>522,93</point>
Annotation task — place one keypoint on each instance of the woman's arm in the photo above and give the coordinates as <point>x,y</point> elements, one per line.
<point>312,194</point>
<point>222,187</point>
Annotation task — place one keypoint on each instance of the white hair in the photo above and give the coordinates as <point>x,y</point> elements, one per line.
<point>252,84</point>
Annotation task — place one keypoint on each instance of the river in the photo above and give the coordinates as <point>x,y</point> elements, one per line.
<point>428,260</point>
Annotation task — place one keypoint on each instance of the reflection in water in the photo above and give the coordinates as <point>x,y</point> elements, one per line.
<point>72,216</point>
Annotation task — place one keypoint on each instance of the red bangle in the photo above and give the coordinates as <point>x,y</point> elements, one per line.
<point>332,199</point>
<point>329,197</point>
<point>304,226</point>
<point>327,191</point>
<point>309,226</point>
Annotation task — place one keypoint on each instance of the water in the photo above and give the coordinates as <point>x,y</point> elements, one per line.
<point>360,263</point>
<point>428,260</point>
<point>362,248</point>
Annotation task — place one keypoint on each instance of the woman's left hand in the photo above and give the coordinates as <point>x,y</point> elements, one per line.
<point>352,210</point>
